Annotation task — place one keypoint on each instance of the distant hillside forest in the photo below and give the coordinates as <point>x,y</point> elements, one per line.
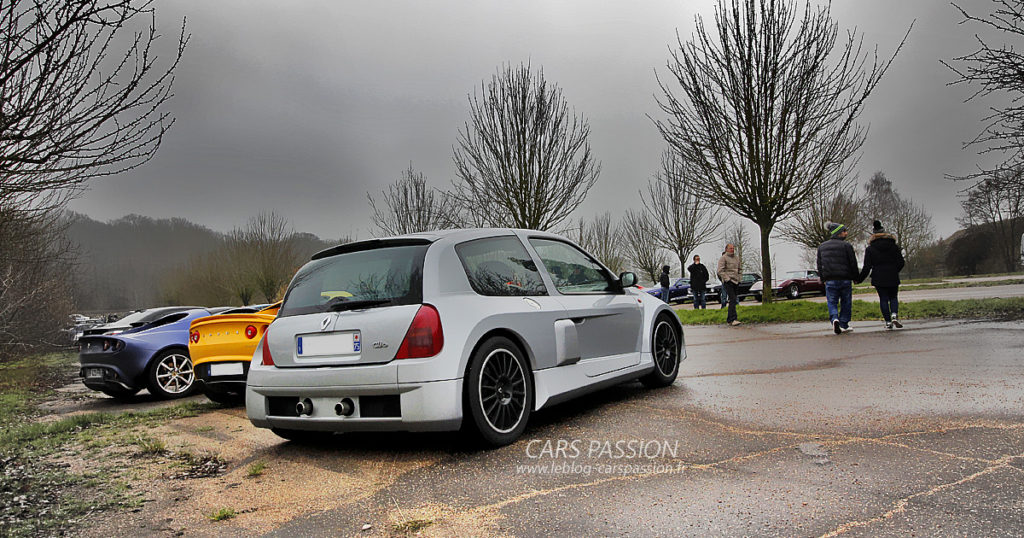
<point>137,262</point>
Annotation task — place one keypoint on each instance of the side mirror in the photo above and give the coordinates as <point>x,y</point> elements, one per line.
<point>627,279</point>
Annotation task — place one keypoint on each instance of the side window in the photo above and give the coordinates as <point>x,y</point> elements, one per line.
<point>747,279</point>
<point>500,266</point>
<point>812,274</point>
<point>571,269</point>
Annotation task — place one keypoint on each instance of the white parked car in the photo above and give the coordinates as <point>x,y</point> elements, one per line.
<point>464,328</point>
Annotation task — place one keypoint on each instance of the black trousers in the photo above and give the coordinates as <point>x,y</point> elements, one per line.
<point>733,290</point>
<point>888,301</point>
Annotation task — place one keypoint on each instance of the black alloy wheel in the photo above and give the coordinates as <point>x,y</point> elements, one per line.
<point>666,348</point>
<point>499,391</point>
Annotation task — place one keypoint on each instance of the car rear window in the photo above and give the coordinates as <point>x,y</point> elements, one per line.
<point>381,276</point>
<point>500,266</point>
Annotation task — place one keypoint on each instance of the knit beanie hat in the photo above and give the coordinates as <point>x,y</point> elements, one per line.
<point>834,228</point>
<point>877,229</point>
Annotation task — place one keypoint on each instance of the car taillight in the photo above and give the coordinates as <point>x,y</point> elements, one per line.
<point>424,337</point>
<point>267,359</point>
<point>106,345</point>
<point>250,332</point>
<point>194,337</point>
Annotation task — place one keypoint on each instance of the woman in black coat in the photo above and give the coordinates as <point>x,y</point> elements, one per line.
<point>883,260</point>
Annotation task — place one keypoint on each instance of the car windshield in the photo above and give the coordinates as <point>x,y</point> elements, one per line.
<point>387,275</point>
<point>134,317</point>
<point>795,274</point>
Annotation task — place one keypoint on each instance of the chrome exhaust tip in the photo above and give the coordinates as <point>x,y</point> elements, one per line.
<point>345,408</point>
<point>304,407</point>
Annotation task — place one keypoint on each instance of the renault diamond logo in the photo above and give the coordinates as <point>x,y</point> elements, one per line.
<point>325,323</point>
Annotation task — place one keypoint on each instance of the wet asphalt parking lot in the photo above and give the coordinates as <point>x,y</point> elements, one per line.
<point>776,430</point>
<point>770,430</point>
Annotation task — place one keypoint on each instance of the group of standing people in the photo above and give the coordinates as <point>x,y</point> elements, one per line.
<point>728,272</point>
<point>837,268</point>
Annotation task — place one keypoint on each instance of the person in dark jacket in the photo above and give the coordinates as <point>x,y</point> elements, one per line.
<point>665,282</point>
<point>698,283</point>
<point>837,268</point>
<point>883,260</point>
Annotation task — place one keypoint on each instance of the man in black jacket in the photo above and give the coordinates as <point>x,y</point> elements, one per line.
<point>698,283</point>
<point>884,261</point>
<point>837,267</point>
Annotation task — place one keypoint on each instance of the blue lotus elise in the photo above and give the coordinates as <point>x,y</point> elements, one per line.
<point>153,356</point>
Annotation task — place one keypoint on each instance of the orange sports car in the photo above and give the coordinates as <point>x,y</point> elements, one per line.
<point>221,348</point>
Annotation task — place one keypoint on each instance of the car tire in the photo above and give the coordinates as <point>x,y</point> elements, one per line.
<point>302,436</point>
<point>498,392</point>
<point>120,393</point>
<point>666,348</point>
<point>227,399</point>
<point>793,291</point>
<point>171,375</point>
<point>759,298</point>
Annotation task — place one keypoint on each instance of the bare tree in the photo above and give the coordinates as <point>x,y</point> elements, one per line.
<point>911,223</point>
<point>272,250</point>
<point>996,70</point>
<point>75,105</point>
<point>681,218</point>
<point>809,226</point>
<point>409,205</point>
<point>641,250</point>
<point>36,265</point>
<point>997,202</point>
<point>764,105</point>
<point>523,159</point>
<point>602,237</point>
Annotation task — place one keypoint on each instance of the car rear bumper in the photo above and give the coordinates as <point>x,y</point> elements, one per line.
<point>124,370</point>
<point>209,378</point>
<point>427,406</point>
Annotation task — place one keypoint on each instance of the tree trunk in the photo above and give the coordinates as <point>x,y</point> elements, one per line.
<point>767,296</point>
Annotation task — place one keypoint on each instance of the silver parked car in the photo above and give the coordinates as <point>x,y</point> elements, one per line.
<point>464,328</point>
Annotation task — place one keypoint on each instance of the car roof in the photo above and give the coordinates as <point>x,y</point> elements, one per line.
<point>424,238</point>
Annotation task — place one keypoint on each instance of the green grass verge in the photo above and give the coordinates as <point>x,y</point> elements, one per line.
<point>39,496</point>
<point>867,288</point>
<point>797,311</point>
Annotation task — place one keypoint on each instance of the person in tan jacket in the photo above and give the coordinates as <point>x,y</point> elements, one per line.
<point>729,273</point>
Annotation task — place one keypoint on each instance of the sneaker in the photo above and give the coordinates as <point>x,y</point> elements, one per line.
<point>835,326</point>
<point>735,322</point>
<point>896,322</point>
<point>888,325</point>
<point>847,329</point>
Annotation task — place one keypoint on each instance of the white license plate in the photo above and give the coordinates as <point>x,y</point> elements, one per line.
<point>333,344</point>
<point>94,373</point>
<point>225,368</point>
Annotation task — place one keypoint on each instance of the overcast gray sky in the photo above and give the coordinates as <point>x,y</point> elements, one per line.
<point>302,107</point>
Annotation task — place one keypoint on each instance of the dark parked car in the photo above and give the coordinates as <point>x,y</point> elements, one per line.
<point>153,356</point>
<point>796,283</point>
<point>678,292</point>
<point>747,281</point>
<point>135,319</point>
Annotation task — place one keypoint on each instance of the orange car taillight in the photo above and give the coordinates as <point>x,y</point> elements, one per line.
<point>424,337</point>
<point>267,359</point>
<point>250,332</point>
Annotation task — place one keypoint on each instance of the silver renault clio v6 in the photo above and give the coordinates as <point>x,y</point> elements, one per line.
<point>469,329</point>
